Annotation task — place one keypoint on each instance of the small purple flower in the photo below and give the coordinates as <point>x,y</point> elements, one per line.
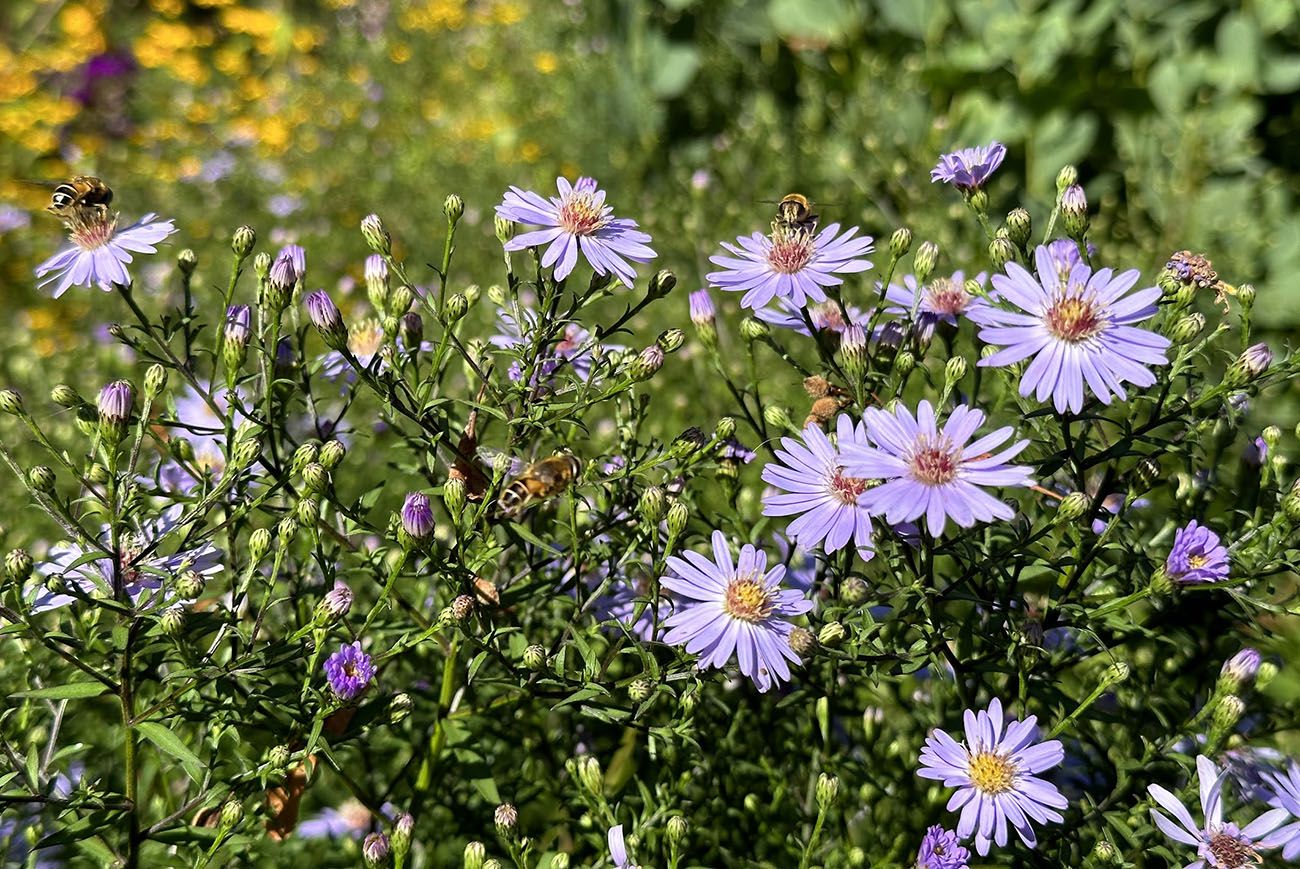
<point>627,593</point>
<point>289,267</point>
<point>115,401</point>
<point>941,849</point>
<point>618,848</point>
<point>578,220</point>
<point>376,849</point>
<point>1079,331</point>
<point>1219,845</point>
<point>574,346</point>
<point>327,318</point>
<point>969,168</point>
<point>99,253</point>
<point>996,776</point>
<point>237,324</point>
<point>732,450</point>
<point>199,424</point>
<point>942,300</point>
<point>1284,793</point>
<point>829,502</point>
<point>702,310</point>
<point>349,671</point>
<point>793,265</point>
<point>1241,667</point>
<point>417,516</point>
<point>734,608</point>
<point>1197,556</point>
<point>933,472</point>
<point>825,317</point>
<point>350,820</point>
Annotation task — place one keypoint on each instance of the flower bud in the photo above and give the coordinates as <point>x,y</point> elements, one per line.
<point>262,265</point>
<point>677,828</point>
<point>1072,507</point>
<point>900,242</point>
<point>703,314</point>
<point>245,453</point>
<point>954,371</point>
<point>399,707</point>
<point>1104,852</point>
<point>243,241</point>
<point>904,362</point>
<point>456,308</point>
<point>1019,226</point>
<point>417,516</point>
<point>462,607</point>
<point>453,496</point>
<point>1001,252</point>
<point>831,634</point>
<point>190,585</point>
<point>410,329</point>
<point>315,478</point>
<point>1266,673</point>
<point>114,405</point>
<point>18,565</point>
<point>187,261</point>
<point>1291,503</point>
<point>97,473</point>
<point>924,261</point>
<point>492,863</point>
<point>1246,296</point>
<point>1187,328</point>
<point>504,228</point>
<point>1272,436</point>
<point>641,689</point>
<point>285,530</point>
<point>327,319</point>
<point>1253,362</point>
<point>534,657</point>
<point>258,544</point>
<point>172,621</point>
<point>278,758</point>
<point>41,479</point>
<point>661,284</point>
<point>802,641</point>
<point>454,207</point>
<point>65,396</point>
<point>331,454</point>
<point>232,812</point>
<point>853,352</point>
<point>399,300</point>
<point>1239,670</point>
<point>403,826</point>
<point>778,417</point>
<point>474,851</point>
<point>11,402</point>
<point>1146,474</point>
<point>1227,712</point>
<point>647,363</point>
<point>1117,672</point>
<point>677,518</point>
<point>1074,211</point>
<point>725,428</point>
<point>828,788</point>
<point>671,340</point>
<point>303,456</point>
<point>560,860</point>
<point>506,817</point>
<point>590,775</point>
<point>1067,177</point>
<point>377,238</point>
<point>752,329</point>
<point>377,852</point>
<point>651,505</point>
<point>336,604</point>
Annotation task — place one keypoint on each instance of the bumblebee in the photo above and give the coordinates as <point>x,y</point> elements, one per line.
<point>538,481</point>
<point>82,192</point>
<point>795,212</point>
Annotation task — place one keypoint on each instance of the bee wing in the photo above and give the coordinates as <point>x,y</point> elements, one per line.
<point>492,457</point>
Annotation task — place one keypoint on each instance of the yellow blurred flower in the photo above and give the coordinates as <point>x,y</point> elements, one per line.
<point>530,152</point>
<point>545,62</point>
<point>253,22</point>
<point>400,52</point>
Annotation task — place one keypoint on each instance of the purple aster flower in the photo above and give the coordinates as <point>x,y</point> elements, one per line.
<point>1114,505</point>
<point>12,218</point>
<point>289,267</point>
<point>1241,667</point>
<point>618,848</point>
<point>703,313</point>
<point>199,424</point>
<point>100,251</point>
<point>941,849</point>
<point>574,345</point>
<point>829,502</point>
<point>789,264</point>
<point>732,450</point>
<point>577,220</point>
<point>1284,793</point>
<point>350,820</point>
<point>1197,556</point>
<point>625,595</point>
<point>969,168</point>
<point>996,776</point>
<point>349,671</point>
<point>933,472</point>
<point>734,608</point>
<point>115,402</point>
<point>826,317</point>
<point>1218,845</point>
<point>365,340</point>
<point>942,300</point>
<point>238,324</point>
<point>417,516</point>
<point>143,566</point>
<point>1078,330</point>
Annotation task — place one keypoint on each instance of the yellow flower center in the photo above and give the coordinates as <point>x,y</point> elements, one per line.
<point>1196,561</point>
<point>91,228</point>
<point>1074,319</point>
<point>580,214</point>
<point>791,251</point>
<point>991,773</point>
<point>747,599</point>
<point>366,338</point>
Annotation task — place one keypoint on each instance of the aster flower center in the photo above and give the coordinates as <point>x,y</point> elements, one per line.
<point>1231,851</point>
<point>91,229</point>
<point>847,488</point>
<point>934,462</point>
<point>1195,561</point>
<point>580,214</point>
<point>991,773</point>
<point>1074,319</point>
<point>790,252</point>
<point>945,297</point>
<point>748,599</point>
<point>366,339</point>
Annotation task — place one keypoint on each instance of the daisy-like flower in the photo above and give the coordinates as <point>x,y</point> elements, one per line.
<point>995,771</point>
<point>933,472</point>
<point>830,503</point>
<point>969,168</point>
<point>349,671</point>
<point>144,568</point>
<point>1219,845</point>
<point>199,424</point>
<point>625,595</point>
<point>734,608</point>
<point>941,849</point>
<point>99,252</point>
<point>826,317</point>
<point>618,849</point>
<point>942,300</point>
<point>574,346</point>
<point>1197,556</point>
<point>577,220</point>
<point>1078,329</point>
<point>789,264</point>
<point>365,340</point>
<point>1284,793</point>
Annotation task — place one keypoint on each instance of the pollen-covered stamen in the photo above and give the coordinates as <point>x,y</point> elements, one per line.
<point>1196,561</point>
<point>991,773</point>
<point>934,461</point>
<point>581,214</point>
<point>945,297</point>
<point>91,228</point>
<point>1074,318</point>
<point>847,488</point>
<point>748,599</point>
<point>790,251</point>
<point>1232,851</point>
<point>366,338</point>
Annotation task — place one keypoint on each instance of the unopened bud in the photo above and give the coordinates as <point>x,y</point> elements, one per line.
<point>954,371</point>
<point>661,284</point>
<point>417,516</point>
<point>404,825</point>
<point>802,641</point>
<point>534,657</point>
<point>11,402</point>
<point>1019,226</point>
<point>186,261</point>
<point>336,604</point>
<point>1253,362</point>
<point>65,396</point>
<point>828,788</point>
<point>853,352</point>
<point>1067,177</point>
<point>677,828</point>
<point>1272,436</point>
<point>927,255</point>
<point>677,517</point>
<point>453,496</point>
<point>831,634</point>
<point>327,319</point>
<point>1246,296</point>
<point>506,817</point>
<point>454,207</point>
<point>18,565</point>
<point>1117,672</point>
<point>462,607</point>
<point>303,456</point>
<point>778,417</point>
<point>648,362</point>
<point>285,530</point>
<point>752,329</point>
<point>1187,328</point>
<point>456,308</point>
<point>399,707</point>
<point>278,758</point>
<point>1104,852</point>
<point>474,851</point>
<point>641,689</point>
<point>504,228</point>
<point>900,242</point>
<point>372,230</point>
<point>376,851</point>
<point>1227,712</point>
<point>190,585</point>
<point>114,405</point>
<point>1001,252</point>
<point>172,621</point>
<point>1239,670</point>
<point>243,241</point>
<point>41,479</point>
<point>1146,474</point>
<point>258,544</point>
<point>1266,673</point>
<point>331,454</point>
<point>410,329</point>
<point>590,775</point>
<point>1074,212</point>
<point>231,814</point>
<point>651,505</point>
<point>245,453</point>
<point>671,340</point>
<point>1072,507</point>
<point>854,591</point>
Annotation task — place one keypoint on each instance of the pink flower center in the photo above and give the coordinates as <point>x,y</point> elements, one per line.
<point>991,773</point>
<point>846,488</point>
<point>827,316</point>
<point>1074,319</point>
<point>790,252</point>
<point>934,462</point>
<point>580,214</point>
<point>748,599</point>
<point>91,229</point>
<point>1232,852</point>
<point>945,297</point>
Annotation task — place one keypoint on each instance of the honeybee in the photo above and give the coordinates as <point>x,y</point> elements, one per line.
<point>82,192</point>
<point>795,211</point>
<point>540,480</point>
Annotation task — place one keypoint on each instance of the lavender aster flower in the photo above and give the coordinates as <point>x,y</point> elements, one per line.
<point>969,168</point>
<point>238,324</point>
<point>574,346</point>
<point>734,608</point>
<point>826,317</point>
<point>1079,330</point>
<point>577,220</point>
<point>942,300</point>
<point>349,671</point>
<point>365,340</point>
<point>830,503</point>
<point>624,596</point>
<point>206,432</point>
<point>99,252</point>
<point>995,773</point>
<point>1197,556</point>
<point>115,401</point>
<point>931,471</point>
<point>789,264</point>
<point>1284,793</point>
<point>350,820</point>
<point>618,848</point>
<point>941,849</point>
<point>1219,845</point>
<point>417,516</point>
<point>702,311</point>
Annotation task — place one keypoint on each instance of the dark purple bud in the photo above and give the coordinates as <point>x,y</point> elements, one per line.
<point>417,516</point>
<point>327,318</point>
